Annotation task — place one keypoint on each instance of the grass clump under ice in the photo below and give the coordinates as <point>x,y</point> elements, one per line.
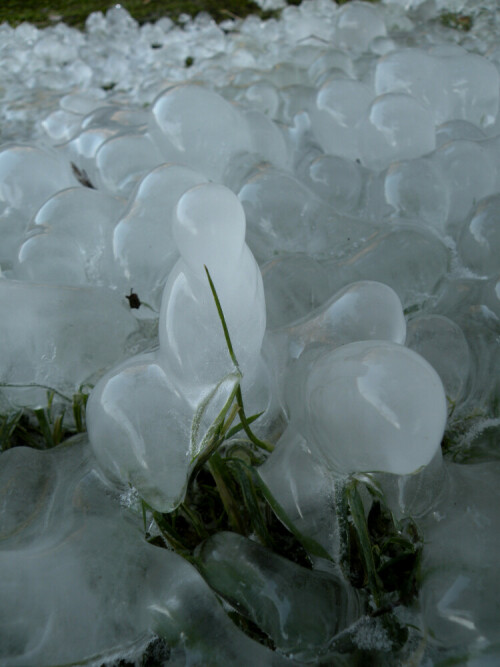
<point>379,556</point>
<point>74,12</point>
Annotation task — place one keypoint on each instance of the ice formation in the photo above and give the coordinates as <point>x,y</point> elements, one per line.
<point>337,170</point>
<point>181,388</point>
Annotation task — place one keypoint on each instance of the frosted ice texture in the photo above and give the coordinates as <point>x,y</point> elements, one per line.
<point>59,336</point>
<point>360,412</point>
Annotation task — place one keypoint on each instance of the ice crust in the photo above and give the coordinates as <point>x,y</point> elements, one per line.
<point>337,170</point>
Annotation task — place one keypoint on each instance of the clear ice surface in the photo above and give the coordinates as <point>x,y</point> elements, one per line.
<point>343,161</point>
<point>68,548</point>
<point>300,609</point>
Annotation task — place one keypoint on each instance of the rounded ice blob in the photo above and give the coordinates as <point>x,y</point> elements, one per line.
<point>417,189</point>
<point>398,127</point>
<point>143,243</point>
<point>373,406</point>
<point>30,175</point>
<point>209,226</point>
<point>340,105</point>
<point>470,173</point>
<point>358,23</point>
<point>364,310</point>
<point>442,342</point>
<point>479,245</point>
<point>177,114</point>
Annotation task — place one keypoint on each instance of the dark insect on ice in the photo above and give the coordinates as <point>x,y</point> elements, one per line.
<point>133,299</point>
<point>82,176</point>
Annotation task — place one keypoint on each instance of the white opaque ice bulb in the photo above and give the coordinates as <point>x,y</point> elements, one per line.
<point>209,227</point>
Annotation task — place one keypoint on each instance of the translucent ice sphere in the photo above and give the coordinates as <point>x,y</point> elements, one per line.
<point>373,406</point>
<point>209,222</point>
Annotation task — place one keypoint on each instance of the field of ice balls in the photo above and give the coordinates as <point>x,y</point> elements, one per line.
<point>337,170</point>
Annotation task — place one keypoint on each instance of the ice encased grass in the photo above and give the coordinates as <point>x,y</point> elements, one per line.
<point>414,214</point>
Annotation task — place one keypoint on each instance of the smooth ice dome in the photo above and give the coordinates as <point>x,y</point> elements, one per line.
<point>397,127</point>
<point>142,429</point>
<point>365,404</point>
<point>365,310</point>
<point>209,227</point>
<point>176,113</point>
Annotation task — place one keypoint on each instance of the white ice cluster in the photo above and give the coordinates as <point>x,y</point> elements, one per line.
<point>337,171</point>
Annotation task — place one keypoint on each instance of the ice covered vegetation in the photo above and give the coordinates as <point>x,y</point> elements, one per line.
<point>249,339</point>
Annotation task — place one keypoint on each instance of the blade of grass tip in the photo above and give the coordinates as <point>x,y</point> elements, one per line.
<point>44,427</point>
<point>57,431</point>
<point>266,446</point>
<point>246,426</point>
<point>9,425</point>
<point>239,427</point>
<point>144,519</point>
<point>222,318</point>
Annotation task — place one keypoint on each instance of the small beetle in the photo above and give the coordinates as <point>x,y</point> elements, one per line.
<point>133,299</point>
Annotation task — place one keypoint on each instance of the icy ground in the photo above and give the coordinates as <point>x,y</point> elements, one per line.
<point>338,172</point>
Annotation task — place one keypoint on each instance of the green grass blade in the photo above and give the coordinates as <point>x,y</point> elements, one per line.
<point>358,517</point>
<point>310,545</point>
<point>222,319</point>
<point>239,427</point>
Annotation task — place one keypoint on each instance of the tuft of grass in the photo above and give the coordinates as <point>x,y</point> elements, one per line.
<point>44,428</point>
<point>456,21</point>
<point>378,555</point>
